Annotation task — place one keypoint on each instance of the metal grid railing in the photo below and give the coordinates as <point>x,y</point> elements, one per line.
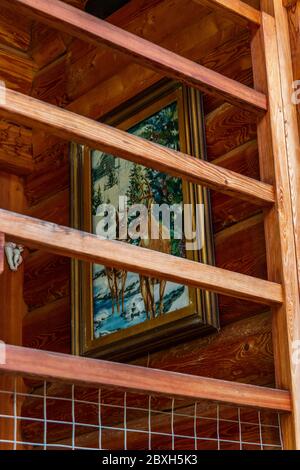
<point>58,416</point>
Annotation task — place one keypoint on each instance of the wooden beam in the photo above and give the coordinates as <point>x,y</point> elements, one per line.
<point>235,10</point>
<point>70,126</point>
<point>95,31</point>
<point>217,44</point>
<point>2,254</point>
<point>280,242</point>
<point>290,118</point>
<point>289,3</point>
<point>15,149</point>
<point>87,247</point>
<point>12,309</point>
<point>99,373</point>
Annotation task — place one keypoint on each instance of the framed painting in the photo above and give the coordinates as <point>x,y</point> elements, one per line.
<point>117,314</point>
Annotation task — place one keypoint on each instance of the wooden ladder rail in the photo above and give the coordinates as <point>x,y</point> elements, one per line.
<point>274,164</point>
<point>64,368</point>
<point>278,220</point>
<point>73,243</point>
<point>92,30</point>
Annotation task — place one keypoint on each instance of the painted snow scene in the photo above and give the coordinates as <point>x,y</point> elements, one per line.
<point>123,299</point>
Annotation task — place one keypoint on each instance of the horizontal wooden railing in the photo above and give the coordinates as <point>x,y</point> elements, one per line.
<point>77,23</point>
<point>87,247</point>
<point>98,373</point>
<point>34,113</point>
<point>236,10</point>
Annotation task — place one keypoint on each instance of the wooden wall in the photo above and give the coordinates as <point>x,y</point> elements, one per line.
<point>73,75</point>
<point>93,81</point>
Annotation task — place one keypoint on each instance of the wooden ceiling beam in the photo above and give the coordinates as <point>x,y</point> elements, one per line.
<point>92,30</point>
<point>71,243</point>
<point>98,373</point>
<point>236,10</point>
<point>70,126</point>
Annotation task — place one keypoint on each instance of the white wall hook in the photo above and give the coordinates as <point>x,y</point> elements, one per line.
<point>13,255</point>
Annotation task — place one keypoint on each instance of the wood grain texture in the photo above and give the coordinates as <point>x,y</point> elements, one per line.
<point>227,210</point>
<point>15,28</point>
<point>48,327</point>
<point>279,222</point>
<point>12,307</point>
<point>47,279</point>
<point>289,3</point>
<point>147,20</point>
<point>95,31</point>
<point>87,247</point>
<point>15,149</point>
<point>16,69</point>
<point>241,247</point>
<point>70,126</point>
<point>240,352</point>
<point>55,208</point>
<point>47,45</point>
<point>98,373</point>
<point>212,49</point>
<point>288,41</point>
<point>84,70</point>
<point>228,127</point>
<point>236,10</point>
<point>51,173</point>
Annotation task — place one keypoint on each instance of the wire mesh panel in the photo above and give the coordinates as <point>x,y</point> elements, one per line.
<point>58,416</point>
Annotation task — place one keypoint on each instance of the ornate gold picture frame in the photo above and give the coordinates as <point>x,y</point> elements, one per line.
<point>119,315</point>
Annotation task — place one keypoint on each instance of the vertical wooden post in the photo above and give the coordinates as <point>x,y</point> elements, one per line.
<point>293,13</point>
<point>12,306</point>
<point>290,115</point>
<point>279,228</point>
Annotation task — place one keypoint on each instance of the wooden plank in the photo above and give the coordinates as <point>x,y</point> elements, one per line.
<point>216,45</point>
<point>236,10</point>
<point>15,29</point>
<point>46,45</point>
<point>12,307</point>
<point>17,69</point>
<point>98,373</point>
<point>95,31</point>
<point>290,114</point>
<point>49,327</point>
<point>15,149</point>
<point>2,255</point>
<point>70,126</point>
<point>228,127</point>
<point>47,278</point>
<point>181,14</point>
<point>289,3</point>
<point>282,267</point>
<point>87,247</point>
<point>294,26</point>
<point>55,208</point>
